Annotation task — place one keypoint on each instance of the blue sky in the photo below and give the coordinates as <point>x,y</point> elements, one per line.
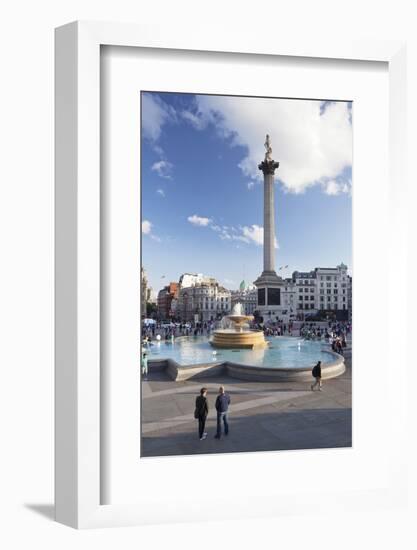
<point>202,195</point>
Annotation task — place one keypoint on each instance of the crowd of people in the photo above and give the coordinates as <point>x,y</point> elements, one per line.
<point>277,329</point>
<point>167,331</point>
<point>335,334</point>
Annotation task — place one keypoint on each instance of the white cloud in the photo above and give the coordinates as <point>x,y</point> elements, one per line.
<point>247,234</point>
<point>255,233</point>
<point>146,227</point>
<point>250,184</point>
<point>199,122</point>
<point>163,168</point>
<point>312,144</point>
<point>161,192</point>
<point>199,220</point>
<point>155,113</point>
<point>333,187</point>
<point>147,230</point>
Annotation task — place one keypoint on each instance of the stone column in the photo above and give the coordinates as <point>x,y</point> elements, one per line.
<point>268,168</point>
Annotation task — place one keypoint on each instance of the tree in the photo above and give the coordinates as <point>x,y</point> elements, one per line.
<point>151,309</point>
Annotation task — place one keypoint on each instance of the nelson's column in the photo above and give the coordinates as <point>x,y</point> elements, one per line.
<point>269,284</point>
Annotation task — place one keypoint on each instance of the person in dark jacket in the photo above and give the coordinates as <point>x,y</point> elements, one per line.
<point>201,412</point>
<point>316,372</point>
<point>222,406</point>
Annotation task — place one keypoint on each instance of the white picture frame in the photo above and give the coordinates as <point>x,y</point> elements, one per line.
<point>77,392</point>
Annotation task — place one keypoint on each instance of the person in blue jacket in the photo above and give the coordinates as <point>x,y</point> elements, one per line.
<point>222,407</point>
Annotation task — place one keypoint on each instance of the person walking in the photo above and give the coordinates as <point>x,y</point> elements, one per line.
<point>222,407</point>
<point>144,364</point>
<point>316,372</point>
<point>201,412</point>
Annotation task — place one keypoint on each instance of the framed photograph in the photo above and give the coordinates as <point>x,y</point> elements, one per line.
<point>222,252</point>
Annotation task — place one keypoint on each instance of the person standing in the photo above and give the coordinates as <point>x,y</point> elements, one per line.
<point>201,412</point>
<point>222,407</point>
<point>316,372</point>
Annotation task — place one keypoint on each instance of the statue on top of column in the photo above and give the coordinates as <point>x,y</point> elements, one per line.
<point>268,154</point>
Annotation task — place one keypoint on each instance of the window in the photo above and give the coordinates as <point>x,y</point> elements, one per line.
<point>311,290</point>
<point>328,285</point>
<point>321,285</point>
<point>328,278</point>
<point>329,291</point>
<point>321,298</point>
<point>322,291</point>
<point>311,298</point>
<point>335,291</point>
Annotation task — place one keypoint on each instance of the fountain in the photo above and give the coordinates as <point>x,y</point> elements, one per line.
<point>235,333</point>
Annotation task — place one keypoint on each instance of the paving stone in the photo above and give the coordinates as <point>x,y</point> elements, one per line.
<point>264,416</point>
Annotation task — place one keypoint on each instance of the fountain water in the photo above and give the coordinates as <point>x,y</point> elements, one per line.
<point>235,332</point>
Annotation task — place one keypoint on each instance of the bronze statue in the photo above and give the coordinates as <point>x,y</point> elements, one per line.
<point>268,154</point>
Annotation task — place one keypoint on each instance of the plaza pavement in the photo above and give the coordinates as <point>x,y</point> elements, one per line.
<point>264,416</point>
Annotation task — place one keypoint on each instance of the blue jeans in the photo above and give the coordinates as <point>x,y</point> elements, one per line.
<point>222,416</point>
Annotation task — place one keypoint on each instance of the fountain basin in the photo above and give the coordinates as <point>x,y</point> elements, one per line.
<point>281,361</point>
<point>233,339</point>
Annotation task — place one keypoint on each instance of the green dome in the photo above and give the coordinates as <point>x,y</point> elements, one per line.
<point>242,285</point>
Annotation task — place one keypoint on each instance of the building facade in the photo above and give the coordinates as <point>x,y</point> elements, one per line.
<point>144,292</point>
<point>165,297</point>
<point>205,300</point>
<point>192,279</point>
<point>324,289</point>
<point>247,296</point>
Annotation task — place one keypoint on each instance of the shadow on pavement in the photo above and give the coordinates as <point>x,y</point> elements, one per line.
<point>280,430</point>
